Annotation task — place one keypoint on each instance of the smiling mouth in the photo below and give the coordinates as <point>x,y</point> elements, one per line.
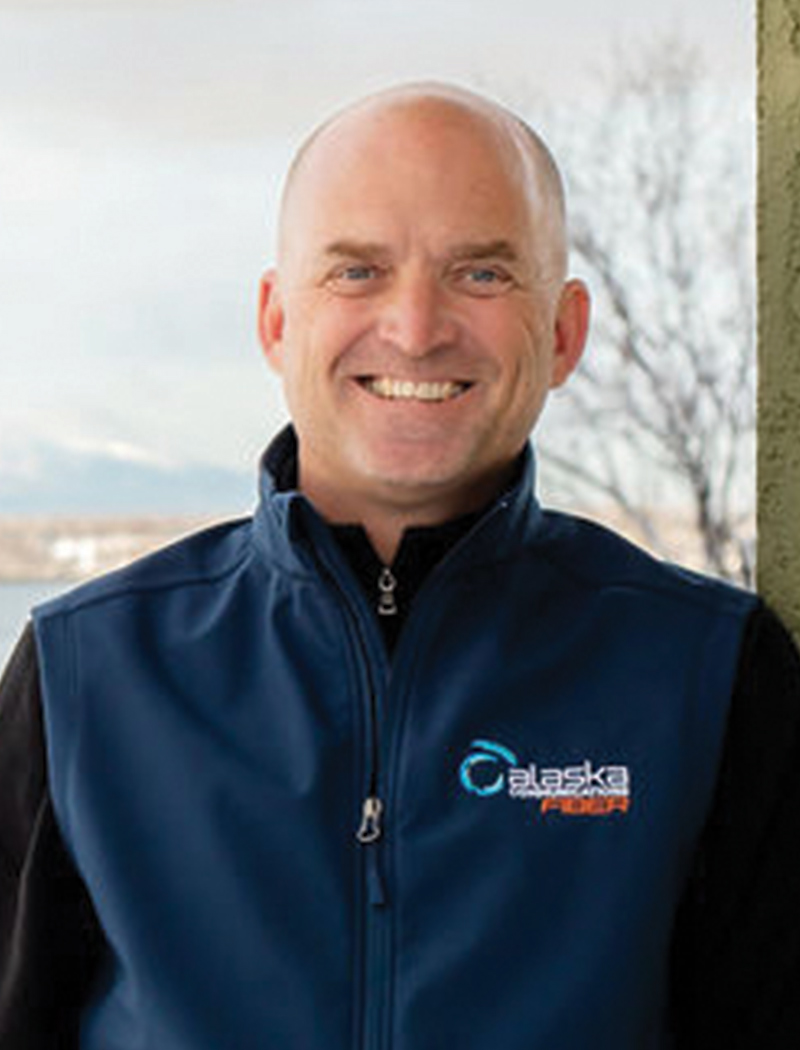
<point>406,390</point>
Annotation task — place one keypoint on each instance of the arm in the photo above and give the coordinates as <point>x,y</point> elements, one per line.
<point>50,940</point>
<point>736,957</point>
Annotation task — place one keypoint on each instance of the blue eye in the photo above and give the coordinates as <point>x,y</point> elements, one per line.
<point>483,280</point>
<point>356,279</point>
<point>357,273</point>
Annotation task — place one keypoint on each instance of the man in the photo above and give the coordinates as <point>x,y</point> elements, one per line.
<point>405,761</point>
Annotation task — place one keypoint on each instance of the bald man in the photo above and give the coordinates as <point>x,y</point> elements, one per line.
<point>419,313</point>
<point>404,761</point>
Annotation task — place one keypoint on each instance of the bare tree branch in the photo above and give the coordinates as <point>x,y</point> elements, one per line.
<point>662,200</point>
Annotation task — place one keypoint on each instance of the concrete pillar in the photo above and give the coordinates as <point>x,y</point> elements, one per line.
<point>779,307</point>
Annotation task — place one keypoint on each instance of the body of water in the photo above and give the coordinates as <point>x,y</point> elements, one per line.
<point>16,600</point>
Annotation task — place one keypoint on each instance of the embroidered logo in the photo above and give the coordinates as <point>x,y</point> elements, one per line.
<point>483,770</point>
<point>582,789</point>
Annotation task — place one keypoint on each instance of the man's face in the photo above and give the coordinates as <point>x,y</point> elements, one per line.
<point>415,316</point>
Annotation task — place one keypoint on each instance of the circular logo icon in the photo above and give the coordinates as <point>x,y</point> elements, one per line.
<point>483,770</point>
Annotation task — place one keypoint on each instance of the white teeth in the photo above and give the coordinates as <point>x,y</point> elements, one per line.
<point>406,390</point>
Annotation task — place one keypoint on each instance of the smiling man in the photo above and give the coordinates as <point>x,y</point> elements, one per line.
<point>419,314</point>
<point>404,761</point>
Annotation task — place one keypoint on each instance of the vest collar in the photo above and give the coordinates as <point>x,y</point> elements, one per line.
<point>287,527</point>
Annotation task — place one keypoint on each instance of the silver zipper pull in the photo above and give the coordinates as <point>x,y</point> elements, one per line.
<point>370,830</point>
<point>387,584</point>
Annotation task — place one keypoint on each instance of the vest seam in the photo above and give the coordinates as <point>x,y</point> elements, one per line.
<point>137,590</point>
<point>732,604</point>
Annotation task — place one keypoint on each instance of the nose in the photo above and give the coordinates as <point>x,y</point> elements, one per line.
<point>416,317</point>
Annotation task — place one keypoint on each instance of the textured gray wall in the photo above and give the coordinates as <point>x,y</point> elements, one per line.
<point>779,306</point>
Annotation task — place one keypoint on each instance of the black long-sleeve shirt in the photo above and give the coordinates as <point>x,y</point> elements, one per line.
<point>735,963</point>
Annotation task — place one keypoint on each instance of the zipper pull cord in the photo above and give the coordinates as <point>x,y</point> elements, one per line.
<point>387,585</point>
<point>368,834</point>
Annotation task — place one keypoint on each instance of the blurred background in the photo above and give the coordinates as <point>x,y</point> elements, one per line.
<point>142,148</point>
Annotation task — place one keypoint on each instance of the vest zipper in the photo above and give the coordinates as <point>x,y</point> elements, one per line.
<point>371,837</point>
<point>370,834</point>
<point>370,830</point>
<point>387,585</point>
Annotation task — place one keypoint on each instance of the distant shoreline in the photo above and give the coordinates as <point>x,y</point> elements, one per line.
<point>67,549</point>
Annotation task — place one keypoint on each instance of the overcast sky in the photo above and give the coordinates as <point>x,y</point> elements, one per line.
<point>142,146</point>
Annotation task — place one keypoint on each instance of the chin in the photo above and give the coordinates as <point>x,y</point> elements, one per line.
<point>428,475</point>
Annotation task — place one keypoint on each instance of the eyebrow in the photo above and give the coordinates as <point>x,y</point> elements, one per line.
<point>355,250</point>
<point>485,250</point>
<point>471,250</point>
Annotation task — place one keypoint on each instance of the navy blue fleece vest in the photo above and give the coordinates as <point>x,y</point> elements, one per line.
<point>543,750</point>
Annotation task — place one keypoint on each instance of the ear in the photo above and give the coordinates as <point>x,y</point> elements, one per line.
<point>270,319</point>
<point>572,326</point>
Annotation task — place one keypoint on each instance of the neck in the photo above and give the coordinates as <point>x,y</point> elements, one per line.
<point>386,517</point>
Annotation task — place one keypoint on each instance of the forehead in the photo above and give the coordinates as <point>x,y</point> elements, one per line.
<point>429,162</point>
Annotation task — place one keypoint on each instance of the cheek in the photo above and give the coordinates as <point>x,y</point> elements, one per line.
<point>511,322</point>
<point>329,331</point>
<point>528,368</point>
<point>526,350</point>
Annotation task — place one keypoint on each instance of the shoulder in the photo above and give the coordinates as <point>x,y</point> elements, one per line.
<point>594,557</point>
<point>203,558</point>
